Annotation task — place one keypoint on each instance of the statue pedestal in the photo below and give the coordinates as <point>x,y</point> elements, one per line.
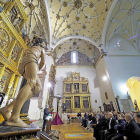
<point>12,132</point>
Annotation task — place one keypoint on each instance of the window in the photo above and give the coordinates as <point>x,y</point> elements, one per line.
<point>74,57</point>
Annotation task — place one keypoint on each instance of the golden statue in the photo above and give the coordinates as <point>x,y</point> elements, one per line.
<point>29,68</point>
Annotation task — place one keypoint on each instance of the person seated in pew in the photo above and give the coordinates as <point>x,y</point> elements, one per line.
<point>119,127</point>
<point>102,125</point>
<point>110,127</point>
<point>89,121</point>
<point>137,120</point>
<point>93,121</point>
<point>79,117</point>
<point>84,120</point>
<point>132,130</point>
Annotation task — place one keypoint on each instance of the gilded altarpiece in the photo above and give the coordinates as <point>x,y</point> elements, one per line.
<point>76,94</point>
<point>12,19</point>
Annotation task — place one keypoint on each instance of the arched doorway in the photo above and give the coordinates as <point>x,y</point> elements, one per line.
<point>133,84</point>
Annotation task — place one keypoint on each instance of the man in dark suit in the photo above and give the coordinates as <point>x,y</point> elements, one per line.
<point>84,120</point>
<point>111,124</point>
<point>79,117</point>
<point>46,113</point>
<point>101,126</point>
<point>115,117</point>
<point>137,119</point>
<point>131,128</point>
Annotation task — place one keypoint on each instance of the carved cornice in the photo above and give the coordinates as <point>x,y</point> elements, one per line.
<point>75,77</point>
<point>8,64</point>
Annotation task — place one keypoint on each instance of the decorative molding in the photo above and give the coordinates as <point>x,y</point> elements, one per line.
<point>8,64</point>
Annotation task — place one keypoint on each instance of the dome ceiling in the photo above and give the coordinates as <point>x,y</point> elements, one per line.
<point>80,45</point>
<point>124,22</point>
<point>78,17</point>
<point>37,23</point>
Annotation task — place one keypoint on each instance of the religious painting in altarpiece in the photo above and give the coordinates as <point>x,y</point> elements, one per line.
<point>76,94</point>
<point>12,19</point>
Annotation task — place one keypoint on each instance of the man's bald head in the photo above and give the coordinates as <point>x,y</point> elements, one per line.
<point>110,115</point>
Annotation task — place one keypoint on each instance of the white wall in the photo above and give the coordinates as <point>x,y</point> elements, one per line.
<point>105,86</point>
<point>85,71</point>
<point>120,69</point>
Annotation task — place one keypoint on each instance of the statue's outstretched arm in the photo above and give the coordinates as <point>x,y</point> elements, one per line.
<point>42,62</point>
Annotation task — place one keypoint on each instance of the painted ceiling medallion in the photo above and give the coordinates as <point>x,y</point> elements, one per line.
<point>74,43</point>
<point>65,4</point>
<point>91,5</point>
<point>131,12</point>
<point>77,18</point>
<point>58,17</point>
<point>31,6</point>
<point>68,26</point>
<point>77,4</point>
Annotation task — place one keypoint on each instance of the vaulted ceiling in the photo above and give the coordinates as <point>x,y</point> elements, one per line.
<point>78,17</point>
<point>37,23</point>
<point>89,23</point>
<point>77,45</point>
<point>124,22</point>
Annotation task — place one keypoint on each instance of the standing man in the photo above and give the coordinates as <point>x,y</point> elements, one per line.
<point>28,68</point>
<point>46,113</point>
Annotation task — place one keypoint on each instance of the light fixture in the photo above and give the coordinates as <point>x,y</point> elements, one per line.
<point>124,89</point>
<point>49,85</point>
<point>105,78</point>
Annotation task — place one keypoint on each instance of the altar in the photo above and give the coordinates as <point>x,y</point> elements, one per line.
<point>76,95</point>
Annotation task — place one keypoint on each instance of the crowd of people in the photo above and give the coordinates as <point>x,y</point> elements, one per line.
<point>112,125</point>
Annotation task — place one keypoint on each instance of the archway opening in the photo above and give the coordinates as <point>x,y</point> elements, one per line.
<point>133,84</point>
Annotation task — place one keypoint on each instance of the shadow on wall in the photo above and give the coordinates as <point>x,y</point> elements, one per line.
<point>95,81</point>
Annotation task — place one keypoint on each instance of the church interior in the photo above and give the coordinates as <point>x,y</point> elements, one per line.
<point>92,59</point>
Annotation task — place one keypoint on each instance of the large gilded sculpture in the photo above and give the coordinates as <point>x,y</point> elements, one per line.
<point>29,68</point>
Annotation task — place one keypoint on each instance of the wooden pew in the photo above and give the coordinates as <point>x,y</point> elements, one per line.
<point>70,116</point>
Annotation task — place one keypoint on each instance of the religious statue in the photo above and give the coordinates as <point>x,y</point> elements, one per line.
<point>29,68</point>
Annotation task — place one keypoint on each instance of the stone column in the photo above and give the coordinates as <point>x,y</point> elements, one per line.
<point>72,87</point>
<point>81,104</point>
<point>10,84</point>
<point>15,86</point>
<point>80,88</point>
